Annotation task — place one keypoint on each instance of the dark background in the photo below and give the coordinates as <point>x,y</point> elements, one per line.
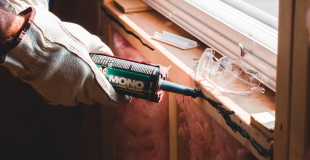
<point>32,129</point>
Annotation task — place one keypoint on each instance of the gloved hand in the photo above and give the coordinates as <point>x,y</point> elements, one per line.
<point>53,57</point>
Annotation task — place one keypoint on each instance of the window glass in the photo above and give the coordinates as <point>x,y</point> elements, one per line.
<point>269,6</point>
<point>266,11</point>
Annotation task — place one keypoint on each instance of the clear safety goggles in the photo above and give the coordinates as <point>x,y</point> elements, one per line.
<point>227,75</point>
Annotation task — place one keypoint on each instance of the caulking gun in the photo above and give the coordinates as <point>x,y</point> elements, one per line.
<point>139,79</point>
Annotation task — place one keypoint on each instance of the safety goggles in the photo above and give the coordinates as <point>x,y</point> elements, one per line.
<point>228,75</point>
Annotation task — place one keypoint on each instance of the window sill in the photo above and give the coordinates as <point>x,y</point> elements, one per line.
<point>247,107</point>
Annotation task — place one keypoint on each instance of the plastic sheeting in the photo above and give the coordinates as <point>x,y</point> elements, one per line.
<point>142,128</point>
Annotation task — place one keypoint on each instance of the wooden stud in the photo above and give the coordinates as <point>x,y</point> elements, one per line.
<point>284,74</point>
<point>183,149</point>
<point>300,108</point>
<point>110,41</point>
<point>173,126</point>
<point>105,34</point>
<point>108,145</point>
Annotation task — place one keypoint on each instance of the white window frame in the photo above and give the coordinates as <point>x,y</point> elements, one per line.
<point>223,27</point>
<point>254,12</point>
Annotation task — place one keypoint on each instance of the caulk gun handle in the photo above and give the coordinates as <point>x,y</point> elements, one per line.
<point>176,88</point>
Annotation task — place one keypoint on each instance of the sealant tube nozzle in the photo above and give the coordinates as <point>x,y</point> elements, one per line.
<point>177,88</point>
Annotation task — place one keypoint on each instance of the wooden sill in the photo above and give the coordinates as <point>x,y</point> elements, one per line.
<point>183,62</point>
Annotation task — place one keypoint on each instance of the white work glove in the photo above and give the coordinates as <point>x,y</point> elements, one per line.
<point>53,57</point>
<point>17,6</point>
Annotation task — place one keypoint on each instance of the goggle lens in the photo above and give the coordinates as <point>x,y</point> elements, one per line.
<point>228,75</point>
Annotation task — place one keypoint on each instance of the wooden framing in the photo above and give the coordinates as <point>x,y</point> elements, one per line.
<point>283,96</point>
<point>108,146</point>
<point>182,62</point>
<point>104,2</point>
<point>292,123</point>
<point>130,6</point>
<point>300,109</point>
<point>173,126</point>
<point>291,104</point>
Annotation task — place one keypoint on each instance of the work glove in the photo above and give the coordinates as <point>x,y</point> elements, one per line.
<point>53,56</point>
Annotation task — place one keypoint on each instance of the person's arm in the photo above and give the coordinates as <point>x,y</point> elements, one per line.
<point>10,25</point>
<point>53,57</point>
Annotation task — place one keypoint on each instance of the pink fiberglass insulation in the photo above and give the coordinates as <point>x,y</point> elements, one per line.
<point>206,138</point>
<point>122,48</point>
<point>141,128</point>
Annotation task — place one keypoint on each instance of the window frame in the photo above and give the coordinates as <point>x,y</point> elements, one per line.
<point>223,37</point>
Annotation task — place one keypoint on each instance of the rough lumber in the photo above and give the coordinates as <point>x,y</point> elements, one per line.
<point>104,33</point>
<point>300,108</point>
<point>284,73</point>
<point>264,122</point>
<point>183,150</point>
<point>108,145</point>
<point>104,2</point>
<point>173,126</point>
<point>129,6</point>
